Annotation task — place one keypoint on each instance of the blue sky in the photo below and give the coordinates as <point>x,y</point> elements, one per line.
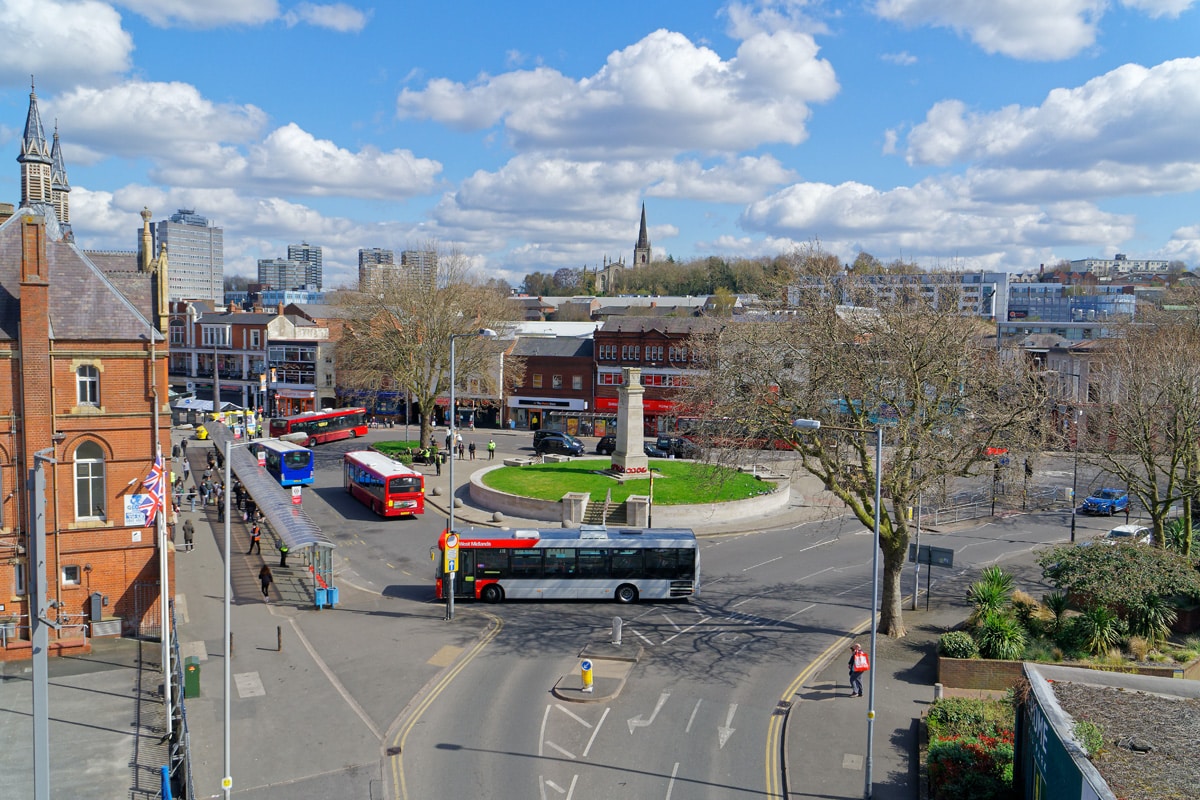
<point>982,134</point>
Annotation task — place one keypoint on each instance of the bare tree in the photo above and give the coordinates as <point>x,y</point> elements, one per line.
<point>1146,429</point>
<point>926,375</point>
<point>399,335</point>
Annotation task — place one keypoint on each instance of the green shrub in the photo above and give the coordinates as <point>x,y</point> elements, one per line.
<point>1090,737</point>
<point>1152,618</point>
<point>1000,636</point>
<point>968,716</point>
<point>988,599</point>
<point>958,644</point>
<point>970,749</point>
<point>1057,604</point>
<point>995,576</point>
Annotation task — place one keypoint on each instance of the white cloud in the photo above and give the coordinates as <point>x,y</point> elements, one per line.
<point>207,14</point>
<point>334,16</point>
<point>771,16</point>
<point>156,120</point>
<point>902,59</point>
<point>61,42</point>
<point>1036,30</point>
<point>1159,8</point>
<point>660,95</point>
<point>1184,245</point>
<point>1131,115</point>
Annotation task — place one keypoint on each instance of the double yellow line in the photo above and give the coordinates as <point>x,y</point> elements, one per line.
<point>399,789</point>
<point>774,754</point>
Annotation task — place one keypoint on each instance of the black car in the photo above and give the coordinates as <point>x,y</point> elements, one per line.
<point>607,445</point>
<point>556,442</point>
<point>678,446</point>
<point>653,452</point>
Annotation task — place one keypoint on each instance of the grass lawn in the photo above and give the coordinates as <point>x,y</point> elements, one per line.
<point>677,482</point>
<point>394,448</point>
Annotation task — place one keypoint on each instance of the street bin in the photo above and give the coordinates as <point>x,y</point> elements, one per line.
<point>321,596</point>
<point>191,677</point>
<point>332,596</point>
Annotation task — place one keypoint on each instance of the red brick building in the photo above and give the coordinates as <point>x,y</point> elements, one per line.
<point>83,381</point>
<point>559,377</point>
<point>661,346</point>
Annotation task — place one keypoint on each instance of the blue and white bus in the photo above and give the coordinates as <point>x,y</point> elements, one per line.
<point>291,464</point>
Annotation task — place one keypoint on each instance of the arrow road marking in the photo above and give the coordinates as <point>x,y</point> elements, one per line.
<point>568,791</point>
<point>638,722</point>
<point>724,732</point>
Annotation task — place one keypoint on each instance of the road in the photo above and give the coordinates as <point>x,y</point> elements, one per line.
<point>694,718</point>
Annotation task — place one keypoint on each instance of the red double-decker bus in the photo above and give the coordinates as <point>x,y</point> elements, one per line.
<point>387,487</point>
<point>321,426</point>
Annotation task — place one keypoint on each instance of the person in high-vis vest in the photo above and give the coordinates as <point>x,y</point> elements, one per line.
<point>283,551</point>
<point>859,663</point>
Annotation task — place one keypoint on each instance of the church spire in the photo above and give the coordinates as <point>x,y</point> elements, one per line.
<point>59,186</point>
<point>35,159</point>
<point>642,251</point>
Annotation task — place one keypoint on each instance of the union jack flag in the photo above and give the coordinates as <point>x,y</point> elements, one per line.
<point>155,485</point>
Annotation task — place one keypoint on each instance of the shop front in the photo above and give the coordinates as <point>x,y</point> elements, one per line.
<point>290,402</point>
<point>658,416</point>
<point>534,413</point>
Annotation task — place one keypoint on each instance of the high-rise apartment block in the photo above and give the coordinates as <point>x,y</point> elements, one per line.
<point>281,273</point>
<point>374,265</point>
<point>418,267</point>
<point>197,252</point>
<point>310,256</point>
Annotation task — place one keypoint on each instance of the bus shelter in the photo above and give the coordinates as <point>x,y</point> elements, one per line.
<point>294,527</point>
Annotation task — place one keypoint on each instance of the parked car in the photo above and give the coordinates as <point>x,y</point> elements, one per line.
<point>1128,533</point>
<point>556,442</point>
<point>1105,501</point>
<point>653,452</point>
<point>607,445</point>
<point>678,446</point>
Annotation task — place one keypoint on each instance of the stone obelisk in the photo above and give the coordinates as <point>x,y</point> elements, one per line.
<point>630,458</point>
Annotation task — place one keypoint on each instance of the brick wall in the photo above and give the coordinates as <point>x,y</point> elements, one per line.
<point>982,673</point>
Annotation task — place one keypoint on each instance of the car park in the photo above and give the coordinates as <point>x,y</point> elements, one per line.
<point>556,442</point>
<point>1105,501</point>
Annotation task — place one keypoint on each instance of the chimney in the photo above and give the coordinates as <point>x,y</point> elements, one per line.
<point>6,211</point>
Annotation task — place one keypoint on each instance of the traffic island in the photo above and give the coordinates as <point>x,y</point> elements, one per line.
<point>610,668</point>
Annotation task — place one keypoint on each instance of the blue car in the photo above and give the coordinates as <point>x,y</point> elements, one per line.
<point>1105,501</point>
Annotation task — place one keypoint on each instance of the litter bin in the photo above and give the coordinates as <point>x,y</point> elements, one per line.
<point>320,597</point>
<point>191,677</point>
<point>331,596</point>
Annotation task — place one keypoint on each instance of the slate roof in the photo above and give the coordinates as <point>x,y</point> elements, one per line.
<point>558,347</point>
<point>85,304</point>
<point>680,325</point>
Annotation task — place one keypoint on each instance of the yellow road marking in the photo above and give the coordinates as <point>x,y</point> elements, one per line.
<point>445,656</point>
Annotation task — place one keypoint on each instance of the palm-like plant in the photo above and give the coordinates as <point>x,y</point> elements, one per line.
<point>1000,636</point>
<point>988,599</point>
<point>1152,618</point>
<point>1101,630</point>
<point>1057,603</point>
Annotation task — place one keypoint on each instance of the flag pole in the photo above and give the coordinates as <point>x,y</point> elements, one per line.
<point>164,593</point>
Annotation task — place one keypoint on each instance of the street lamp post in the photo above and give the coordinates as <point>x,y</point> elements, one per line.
<point>448,580</point>
<point>227,775</point>
<point>814,424</point>
<point>1075,472</point>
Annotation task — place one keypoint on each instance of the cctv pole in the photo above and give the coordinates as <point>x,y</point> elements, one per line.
<point>39,626</point>
<point>226,778</point>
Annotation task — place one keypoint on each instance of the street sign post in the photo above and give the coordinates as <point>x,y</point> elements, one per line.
<point>930,556</point>
<point>449,567</point>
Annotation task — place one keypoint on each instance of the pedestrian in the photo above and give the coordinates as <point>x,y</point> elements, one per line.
<point>187,468</point>
<point>437,462</point>
<point>192,497</point>
<point>220,512</point>
<point>265,579</point>
<point>458,444</point>
<point>255,538</point>
<point>283,551</point>
<point>432,441</point>
<point>189,533</point>
<point>449,439</point>
<point>175,451</point>
<point>491,449</point>
<point>471,450</point>
<point>859,663</point>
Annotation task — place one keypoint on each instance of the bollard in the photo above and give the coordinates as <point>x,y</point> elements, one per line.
<point>616,636</point>
<point>585,668</point>
<point>937,691</point>
<point>278,639</point>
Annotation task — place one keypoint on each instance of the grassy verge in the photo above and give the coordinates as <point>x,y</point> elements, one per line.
<point>677,482</point>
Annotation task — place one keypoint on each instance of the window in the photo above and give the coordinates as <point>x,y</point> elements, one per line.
<point>89,481</point>
<point>177,330</point>
<point>556,381</point>
<point>678,353</point>
<point>72,575</point>
<point>87,385</point>
<point>18,579</point>
<point>608,352</point>
<point>576,382</point>
<point>537,381</point>
<point>255,339</point>
<point>215,335</point>
<point>526,563</point>
<point>611,379</point>
<point>631,352</point>
<point>654,353</point>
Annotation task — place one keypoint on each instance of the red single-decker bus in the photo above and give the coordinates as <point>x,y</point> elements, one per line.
<point>321,426</point>
<point>387,487</point>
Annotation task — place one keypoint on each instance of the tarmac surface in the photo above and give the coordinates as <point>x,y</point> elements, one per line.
<point>320,706</point>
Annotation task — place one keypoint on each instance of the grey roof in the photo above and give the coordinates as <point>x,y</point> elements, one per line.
<point>84,302</point>
<point>683,325</point>
<point>324,311</point>
<point>558,347</point>
<point>240,317</point>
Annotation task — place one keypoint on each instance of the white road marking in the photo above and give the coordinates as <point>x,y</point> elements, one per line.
<point>763,563</point>
<point>542,735</point>
<point>726,730</point>
<point>688,628</point>
<point>643,638</point>
<point>670,622</point>
<point>793,614</point>
<point>854,588</point>
<point>638,722</point>
<point>566,753</point>
<point>671,783</point>
<point>598,724</point>
<point>575,717</point>
<point>747,600</point>
<point>692,718</point>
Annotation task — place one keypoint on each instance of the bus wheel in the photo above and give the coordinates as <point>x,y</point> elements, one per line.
<point>311,443</point>
<point>353,435</point>
<point>492,593</point>
<point>627,594</point>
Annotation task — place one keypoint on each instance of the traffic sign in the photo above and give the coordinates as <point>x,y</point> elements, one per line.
<point>451,552</point>
<point>296,498</point>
